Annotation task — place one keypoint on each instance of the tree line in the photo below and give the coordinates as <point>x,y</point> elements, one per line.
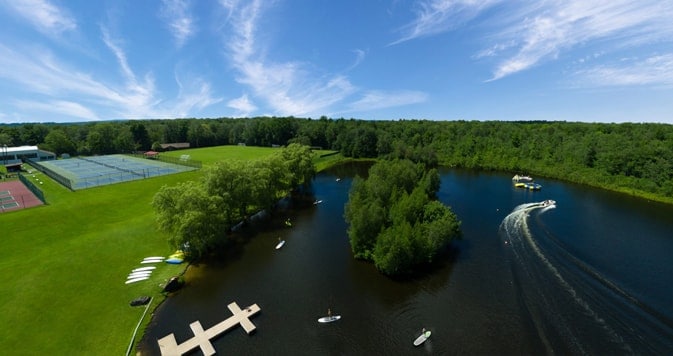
<point>197,215</point>
<point>631,157</point>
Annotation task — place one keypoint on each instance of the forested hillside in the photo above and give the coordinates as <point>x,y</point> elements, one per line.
<point>634,158</point>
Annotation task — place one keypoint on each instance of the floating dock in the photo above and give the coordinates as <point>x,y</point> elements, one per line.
<point>169,346</point>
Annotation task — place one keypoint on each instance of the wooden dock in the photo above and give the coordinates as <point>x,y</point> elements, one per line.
<point>169,346</point>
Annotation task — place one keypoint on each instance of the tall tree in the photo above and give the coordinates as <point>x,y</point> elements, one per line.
<point>141,137</point>
<point>57,142</point>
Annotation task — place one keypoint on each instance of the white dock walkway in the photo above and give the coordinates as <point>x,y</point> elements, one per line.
<point>169,346</point>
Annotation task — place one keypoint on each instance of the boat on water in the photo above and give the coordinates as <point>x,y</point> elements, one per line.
<point>280,244</point>
<point>518,178</point>
<point>329,318</point>
<point>423,337</point>
<point>533,186</point>
<point>548,202</point>
<point>528,185</point>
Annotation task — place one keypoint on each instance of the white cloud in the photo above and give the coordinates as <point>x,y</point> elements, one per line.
<point>524,34</point>
<point>655,70</point>
<point>139,97</point>
<point>62,107</point>
<point>376,99</point>
<point>196,96</point>
<point>289,88</point>
<point>438,16</point>
<point>541,33</point>
<point>43,15</point>
<point>359,57</point>
<point>36,70</point>
<point>243,105</point>
<point>177,15</point>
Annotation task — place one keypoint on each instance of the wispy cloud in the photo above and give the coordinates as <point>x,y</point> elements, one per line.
<point>58,107</point>
<point>289,88</point>
<point>376,99</point>
<point>195,96</point>
<point>541,33</point>
<point>43,15</point>
<point>179,20</point>
<point>656,70</point>
<point>524,34</point>
<point>438,16</point>
<point>294,88</point>
<point>359,57</point>
<point>243,105</point>
<point>140,95</point>
<point>37,71</point>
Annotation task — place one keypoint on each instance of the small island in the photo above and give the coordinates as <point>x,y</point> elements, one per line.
<point>395,219</point>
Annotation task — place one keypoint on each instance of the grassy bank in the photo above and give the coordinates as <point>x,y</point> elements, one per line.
<point>65,263</point>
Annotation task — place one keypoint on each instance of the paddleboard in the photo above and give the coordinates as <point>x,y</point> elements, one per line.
<point>152,261</point>
<point>154,258</point>
<point>280,244</point>
<point>133,280</point>
<point>329,319</point>
<point>139,274</point>
<point>143,269</point>
<point>421,339</point>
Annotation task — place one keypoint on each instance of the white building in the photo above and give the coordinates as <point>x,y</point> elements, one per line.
<point>12,157</point>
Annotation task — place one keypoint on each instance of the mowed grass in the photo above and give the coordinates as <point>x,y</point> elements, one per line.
<point>64,264</point>
<point>210,155</point>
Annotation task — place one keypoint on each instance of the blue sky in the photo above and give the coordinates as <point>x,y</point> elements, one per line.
<point>572,60</point>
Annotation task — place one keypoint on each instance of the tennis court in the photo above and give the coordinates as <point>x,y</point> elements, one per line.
<point>86,172</point>
<point>15,195</point>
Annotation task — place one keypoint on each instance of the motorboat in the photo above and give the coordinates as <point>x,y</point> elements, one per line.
<point>548,202</point>
<point>533,186</point>
<point>518,178</point>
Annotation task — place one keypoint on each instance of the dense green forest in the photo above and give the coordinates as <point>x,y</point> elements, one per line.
<point>195,215</point>
<point>628,157</point>
<point>395,219</point>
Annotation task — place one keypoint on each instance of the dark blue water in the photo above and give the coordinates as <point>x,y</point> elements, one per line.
<point>592,275</point>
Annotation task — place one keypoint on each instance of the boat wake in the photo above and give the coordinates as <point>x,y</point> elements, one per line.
<point>571,306</point>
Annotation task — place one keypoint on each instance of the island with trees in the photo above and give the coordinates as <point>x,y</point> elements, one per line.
<point>395,219</point>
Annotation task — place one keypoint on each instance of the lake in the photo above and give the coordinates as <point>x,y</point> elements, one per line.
<point>591,275</point>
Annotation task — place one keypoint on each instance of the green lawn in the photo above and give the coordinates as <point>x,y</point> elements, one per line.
<point>209,155</point>
<point>64,264</point>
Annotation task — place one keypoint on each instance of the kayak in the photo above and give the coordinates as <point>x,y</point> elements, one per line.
<point>421,339</point>
<point>329,319</point>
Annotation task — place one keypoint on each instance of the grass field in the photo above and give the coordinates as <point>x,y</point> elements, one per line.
<point>64,264</point>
